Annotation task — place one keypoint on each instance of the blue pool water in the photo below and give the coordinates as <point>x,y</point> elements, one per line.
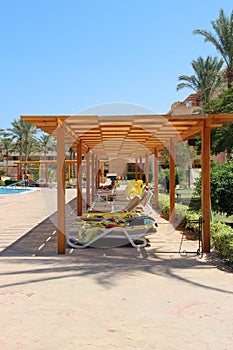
<point>10,190</point>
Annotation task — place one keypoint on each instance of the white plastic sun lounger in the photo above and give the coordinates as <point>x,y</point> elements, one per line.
<point>103,237</point>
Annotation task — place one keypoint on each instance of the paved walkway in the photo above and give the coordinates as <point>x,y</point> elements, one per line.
<point>121,298</point>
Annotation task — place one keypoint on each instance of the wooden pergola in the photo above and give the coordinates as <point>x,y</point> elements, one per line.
<point>126,136</point>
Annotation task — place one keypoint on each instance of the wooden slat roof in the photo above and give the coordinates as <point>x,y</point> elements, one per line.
<point>126,135</point>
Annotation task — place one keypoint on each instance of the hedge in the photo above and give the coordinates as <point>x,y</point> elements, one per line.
<point>222,239</point>
<point>221,234</point>
<point>183,215</point>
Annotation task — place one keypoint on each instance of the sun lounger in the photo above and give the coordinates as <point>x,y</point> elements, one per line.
<point>131,205</point>
<point>138,203</point>
<point>111,232</point>
<point>144,204</point>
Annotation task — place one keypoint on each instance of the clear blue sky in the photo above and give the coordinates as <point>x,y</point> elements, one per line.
<point>63,56</point>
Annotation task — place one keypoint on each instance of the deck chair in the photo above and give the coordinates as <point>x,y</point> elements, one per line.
<point>108,233</point>
<point>130,206</point>
<point>144,204</point>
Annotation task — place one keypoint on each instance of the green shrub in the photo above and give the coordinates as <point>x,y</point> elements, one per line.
<point>163,204</point>
<point>2,183</point>
<point>183,214</point>
<point>220,233</point>
<point>221,187</point>
<point>190,220</point>
<point>222,239</point>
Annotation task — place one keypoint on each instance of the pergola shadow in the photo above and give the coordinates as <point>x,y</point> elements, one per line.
<point>105,266</point>
<point>161,254</point>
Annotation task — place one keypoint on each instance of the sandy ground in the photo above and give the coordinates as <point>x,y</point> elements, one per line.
<point>120,298</point>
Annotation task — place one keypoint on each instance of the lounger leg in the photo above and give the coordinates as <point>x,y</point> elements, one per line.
<point>140,245</point>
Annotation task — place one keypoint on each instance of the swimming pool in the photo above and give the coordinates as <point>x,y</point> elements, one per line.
<point>14,190</point>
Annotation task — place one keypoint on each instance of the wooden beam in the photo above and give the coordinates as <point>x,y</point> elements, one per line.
<point>61,237</point>
<point>206,187</point>
<point>172,181</point>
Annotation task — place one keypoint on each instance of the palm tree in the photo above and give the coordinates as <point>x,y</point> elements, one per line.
<point>222,39</point>
<point>46,144</point>
<point>6,149</point>
<point>24,135</point>
<point>207,77</point>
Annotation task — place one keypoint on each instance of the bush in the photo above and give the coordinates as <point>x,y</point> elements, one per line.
<point>164,204</point>
<point>2,183</point>
<point>221,187</point>
<point>183,214</point>
<point>222,239</point>
<point>220,233</point>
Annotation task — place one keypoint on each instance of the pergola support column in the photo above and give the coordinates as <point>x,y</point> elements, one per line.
<point>140,171</point>
<point>47,174</point>
<point>68,172</point>
<point>79,178</point>
<point>93,177</point>
<point>18,172</point>
<point>96,173</point>
<point>88,180</point>
<point>156,180</point>
<point>61,237</point>
<point>102,172</point>
<point>136,169</point>
<point>172,181</point>
<point>206,207</point>
<point>147,171</point>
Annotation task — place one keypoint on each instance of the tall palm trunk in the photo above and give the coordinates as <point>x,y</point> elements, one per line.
<point>26,157</point>
<point>229,75</point>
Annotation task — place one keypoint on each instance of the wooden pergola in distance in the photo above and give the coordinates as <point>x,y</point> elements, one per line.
<point>124,137</point>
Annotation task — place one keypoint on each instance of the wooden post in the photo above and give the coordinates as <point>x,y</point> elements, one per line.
<point>98,178</point>
<point>39,171</point>
<point>96,173</point>
<point>47,174</point>
<point>206,187</point>
<point>88,180</point>
<point>140,172</point>
<point>156,180</point>
<point>147,171</point>
<point>61,237</point>
<point>68,172</point>
<point>93,177</point>
<point>79,178</point>
<point>18,172</point>
<point>172,181</point>
<point>136,169</point>
<point>102,172</point>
